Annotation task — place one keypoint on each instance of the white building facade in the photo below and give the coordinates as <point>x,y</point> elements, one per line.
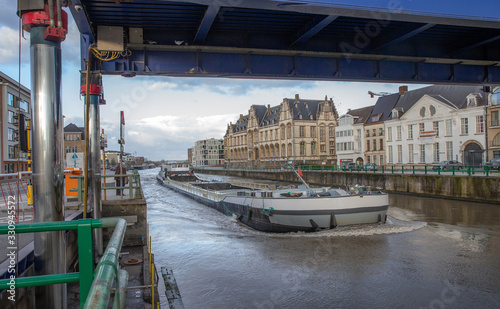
<point>435,129</point>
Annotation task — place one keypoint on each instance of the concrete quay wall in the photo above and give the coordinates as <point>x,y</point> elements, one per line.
<point>471,188</point>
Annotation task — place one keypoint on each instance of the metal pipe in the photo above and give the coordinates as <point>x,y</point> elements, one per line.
<point>51,12</point>
<point>94,194</point>
<point>25,282</point>
<point>59,14</point>
<point>86,156</point>
<point>48,153</point>
<point>121,294</point>
<point>107,268</point>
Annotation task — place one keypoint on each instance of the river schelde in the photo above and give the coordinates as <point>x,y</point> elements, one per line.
<point>432,253</point>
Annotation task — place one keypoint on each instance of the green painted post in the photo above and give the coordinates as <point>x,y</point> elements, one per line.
<point>425,169</point>
<point>392,169</point>
<point>85,258</point>
<point>413,167</point>
<point>468,169</point>
<point>487,170</point>
<point>383,167</point>
<point>402,169</point>
<point>453,170</point>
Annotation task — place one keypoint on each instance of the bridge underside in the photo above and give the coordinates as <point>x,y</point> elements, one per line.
<point>291,40</point>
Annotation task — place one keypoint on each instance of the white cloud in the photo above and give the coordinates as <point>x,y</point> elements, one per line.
<point>9,46</point>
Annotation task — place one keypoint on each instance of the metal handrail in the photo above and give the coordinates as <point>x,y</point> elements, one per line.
<point>134,183</point>
<point>92,290</point>
<point>427,169</point>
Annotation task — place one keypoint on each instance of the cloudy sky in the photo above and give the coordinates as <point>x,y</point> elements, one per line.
<point>165,116</point>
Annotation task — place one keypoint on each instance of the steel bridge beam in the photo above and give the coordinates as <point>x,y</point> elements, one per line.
<point>314,27</point>
<point>206,23</point>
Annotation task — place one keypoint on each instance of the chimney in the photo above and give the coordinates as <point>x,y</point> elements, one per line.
<point>403,90</point>
<point>268,108</point>
<point>241,117</point>
<point>348,110</point>
<point>297,97</point>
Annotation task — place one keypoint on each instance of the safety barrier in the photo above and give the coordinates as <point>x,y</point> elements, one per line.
<point>95,284</point>
<point>435,169</point>
<point>134,186</point>
<point>17,185</point>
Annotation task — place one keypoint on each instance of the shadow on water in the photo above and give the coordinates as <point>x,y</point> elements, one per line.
<point>453,212</point>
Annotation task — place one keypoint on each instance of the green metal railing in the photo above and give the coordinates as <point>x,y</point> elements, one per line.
<point>134,185</point>
<point>95,285</point>
<point>469,170</point>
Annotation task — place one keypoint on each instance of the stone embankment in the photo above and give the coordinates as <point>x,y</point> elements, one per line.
<point>470,188</point>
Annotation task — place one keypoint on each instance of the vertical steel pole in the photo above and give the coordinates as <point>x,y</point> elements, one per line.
<point>94,193</point>
<point>48,174</point>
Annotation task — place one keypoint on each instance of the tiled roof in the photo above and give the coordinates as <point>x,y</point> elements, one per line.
<point>361,114</point>
<point>449,94</point>
<point>383,108</point>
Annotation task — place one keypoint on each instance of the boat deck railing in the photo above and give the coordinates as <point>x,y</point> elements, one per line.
<point>95,284</point>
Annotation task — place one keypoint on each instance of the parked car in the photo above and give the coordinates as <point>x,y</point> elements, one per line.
<point>494,164</point>
<point>347,166</point>
<point>370,167</point>
<point>448,165</point>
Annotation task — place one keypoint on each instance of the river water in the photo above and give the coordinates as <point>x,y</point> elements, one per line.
<point>432,253</point>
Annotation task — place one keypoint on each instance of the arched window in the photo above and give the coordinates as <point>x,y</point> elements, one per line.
<point>496,140</point>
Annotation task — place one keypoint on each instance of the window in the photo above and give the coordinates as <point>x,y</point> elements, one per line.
<point>282,132</point>
<point>410,131</point>
<point>436,152</point>
<point>302,131</point>
<point>381,144</point>
<point>435,127</point>
<point>464,126</point>
<point>410,153</point>
<point>367,133</point>
<point>12,152</point>
<point>10,99</point>
<point>391,158</point>
<point>367,145</point>
<point>449,127</point>
<point>449,151</point>
<point>375,159</point>
<point>68,149</point>
<point>422,153</point>
<point>289,131</point>
<point>479,124</point>
<point>11,117</point>
<point>74,149</point>
<point>10,136</point>
<point>495,98</point>
<point>381,131</point>
<point>374,132</point>
<point>421,127</point>
<point>302,148</point>
<point>332,151</point>
<point>389,134</point>
<point>322,148</point>
<point>330,132</point>
<point>400,153</point>
<point>398,133</point>
<point>374,145</point>
<point>313,131</point>
<point>381,159</point>
<point>313,149</point>
<point>24,106</point>
<point>322,134</point>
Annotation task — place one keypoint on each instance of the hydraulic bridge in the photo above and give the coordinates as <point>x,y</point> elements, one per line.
<point>360,40</point>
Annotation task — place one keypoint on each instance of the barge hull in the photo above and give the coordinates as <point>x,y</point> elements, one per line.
<point>277,221</point>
